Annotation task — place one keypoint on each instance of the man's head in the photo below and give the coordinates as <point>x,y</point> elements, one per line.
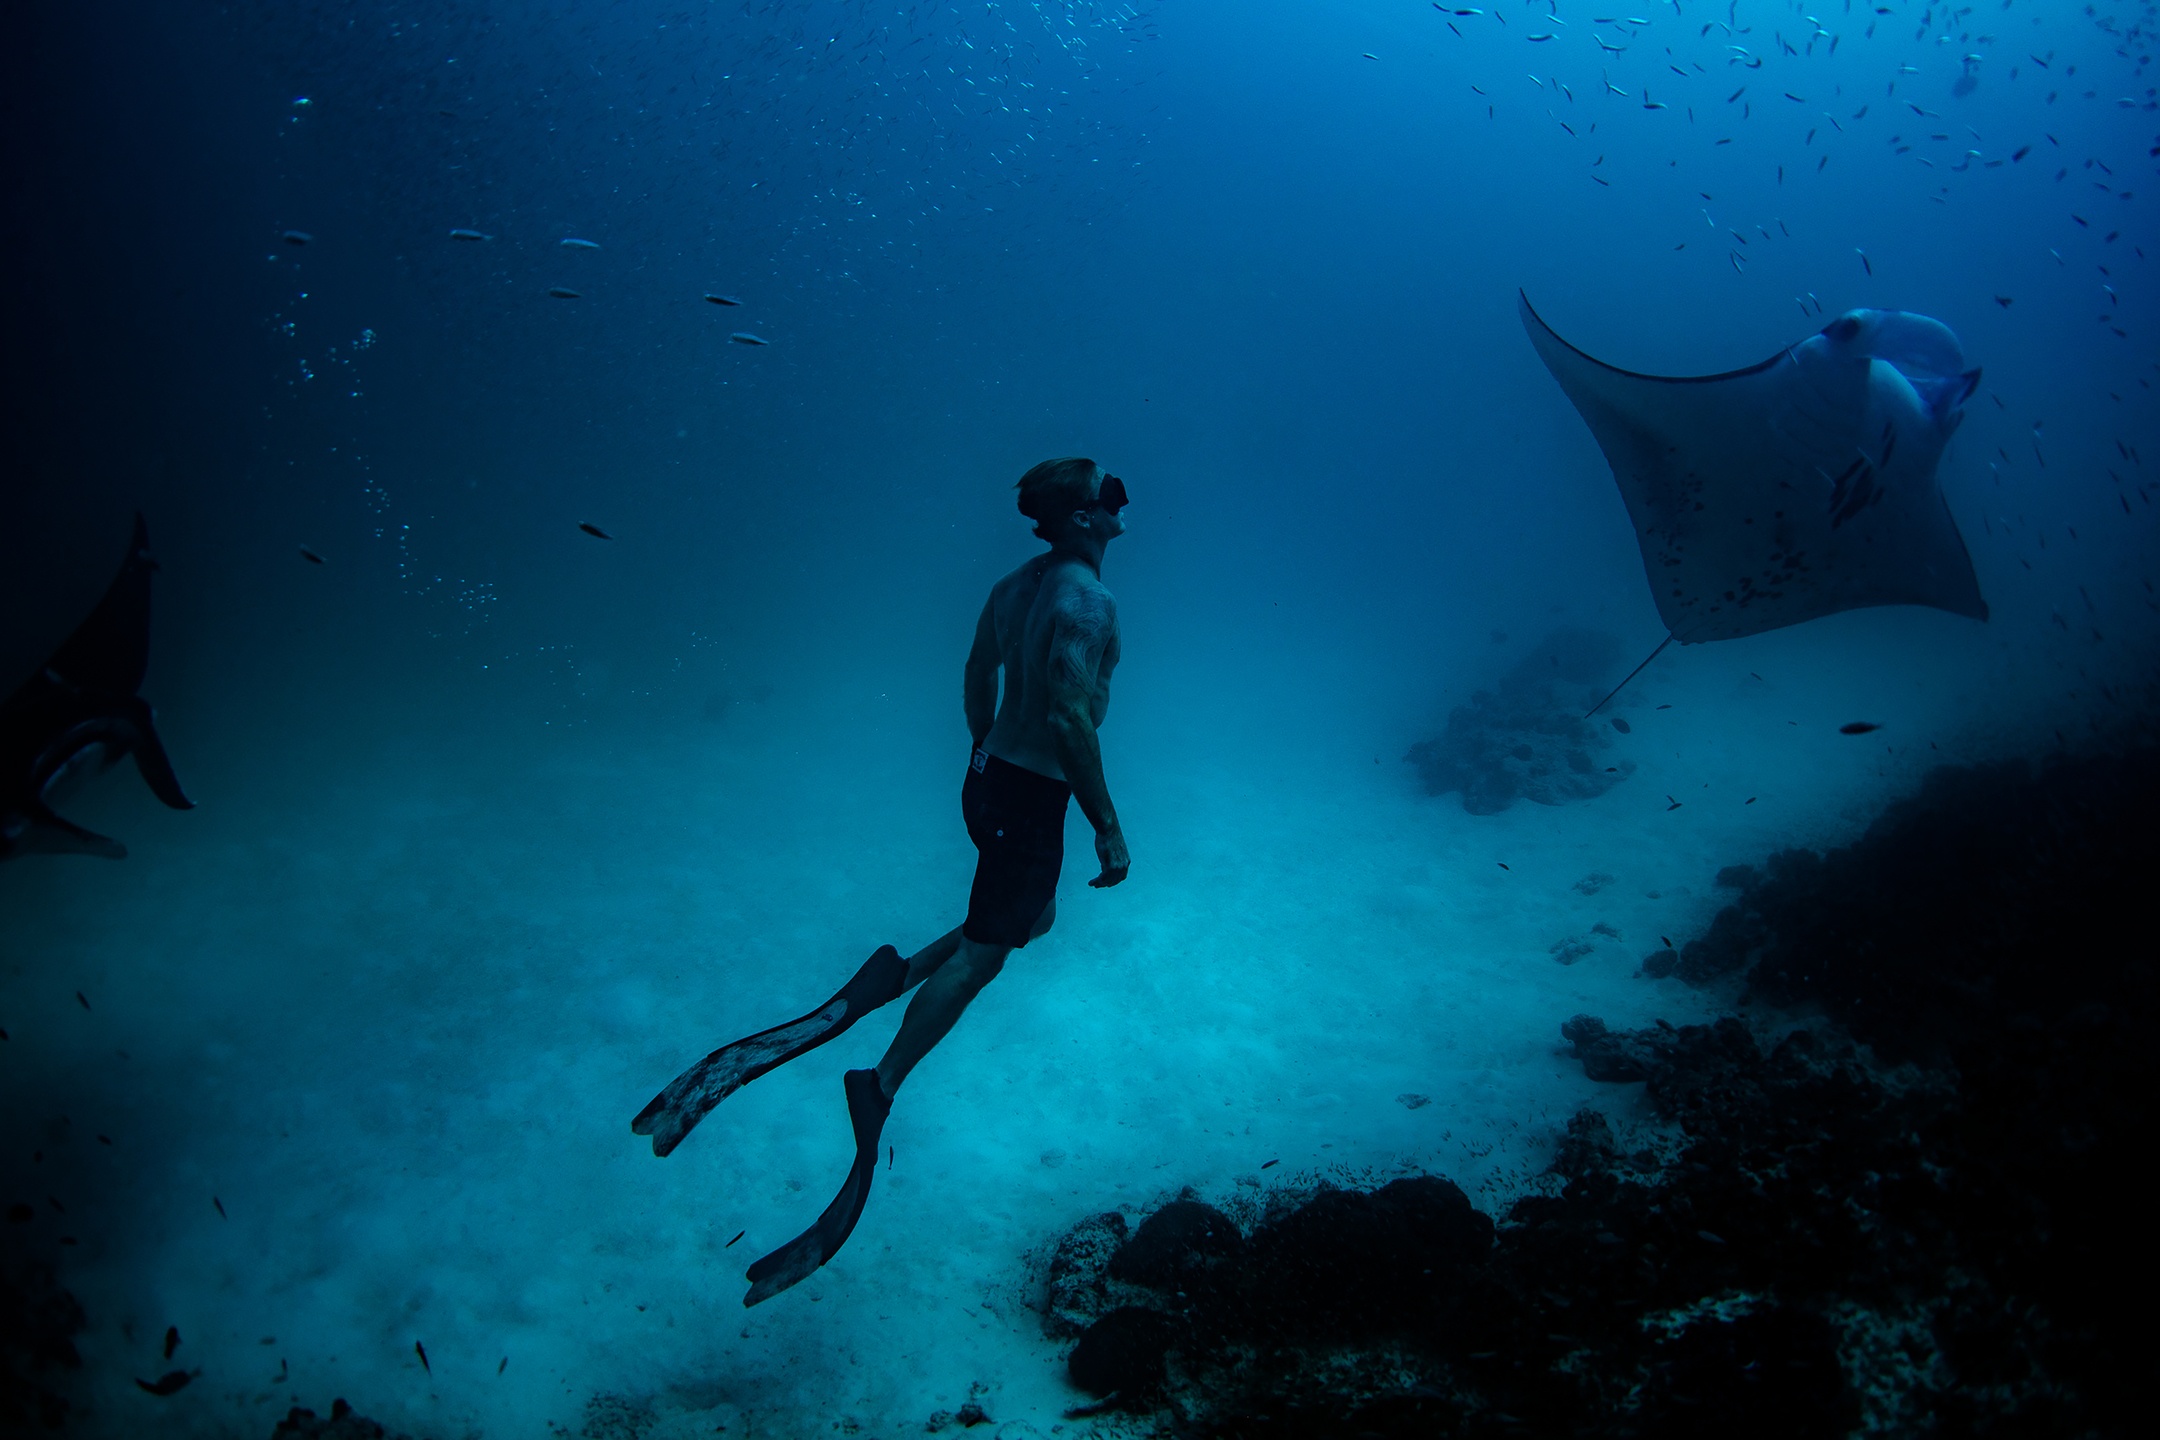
<point>1068,497</point>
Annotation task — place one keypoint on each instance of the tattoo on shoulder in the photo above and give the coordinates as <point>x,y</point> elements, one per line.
<point>1088,612</point>
<point>1087,625</point>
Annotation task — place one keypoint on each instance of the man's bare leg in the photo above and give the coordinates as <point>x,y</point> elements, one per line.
<point>925,962</point>
<point>935,1008</point>
<point>957,977</point>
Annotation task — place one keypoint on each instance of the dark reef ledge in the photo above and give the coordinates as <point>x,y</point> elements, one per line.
<point>1917,1214</point>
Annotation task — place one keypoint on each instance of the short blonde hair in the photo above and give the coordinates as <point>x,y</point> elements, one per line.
<point>1054,489</point>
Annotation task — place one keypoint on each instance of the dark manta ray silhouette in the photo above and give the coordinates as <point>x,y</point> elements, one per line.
<point>80,712</point>
<point>1795,488</point>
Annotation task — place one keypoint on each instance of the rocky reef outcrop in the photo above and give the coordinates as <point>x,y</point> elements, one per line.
<point>38,1324</point>
<point>1896,1195</point>
<point>1525,738</point>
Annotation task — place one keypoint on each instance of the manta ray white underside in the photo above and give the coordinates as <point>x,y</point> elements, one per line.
<point>1798,487</point>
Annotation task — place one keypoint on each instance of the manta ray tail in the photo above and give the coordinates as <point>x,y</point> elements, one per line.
<point>797,1260</point>
<point>692,1094</point>
<point>1630,676</point>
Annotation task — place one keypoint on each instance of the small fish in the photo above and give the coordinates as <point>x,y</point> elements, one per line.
<point>563,293</point>
<point>1869,264</point>
<point>1369,55</point>
<point>310,556</point>
<point>1714,1239</point>
<point>220,1208</point>
<point>421,1351</point>
<point>722,300</point>
<point>504,1366</point>
<point>744,337</point>
<point>1503,865</point>
<point>2021,153</point>
<point>593,530</point>
<point>1667,940</point>
<point>1621,725</point>
<point>295,237</point>
<point>738,1235</point>
<point>1265,1164</point>
<point>1857,727</point>
<point>79,998</point>
<point>1667,706</point>
<point>888,1157</point>
<point>1674,805</point>
<point>172,1382</point>
<point>1749,801</point>
<point>570,243</point>
<point>469,235</point>
<point>2003,300</point>
<point>172,1340</point>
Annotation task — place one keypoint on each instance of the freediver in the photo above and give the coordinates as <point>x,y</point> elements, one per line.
<point>1051,629</point>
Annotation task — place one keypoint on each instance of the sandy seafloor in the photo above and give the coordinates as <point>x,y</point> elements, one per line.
<point>393,993</point>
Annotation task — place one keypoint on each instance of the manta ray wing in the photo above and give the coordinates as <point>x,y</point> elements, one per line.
<point>78,714</point>
<point>1795,488</point>
<point>109,653</point>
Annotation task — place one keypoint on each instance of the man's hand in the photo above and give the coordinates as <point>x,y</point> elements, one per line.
<point>1110,849</point>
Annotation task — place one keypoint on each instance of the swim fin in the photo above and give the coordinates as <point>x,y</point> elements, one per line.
<point>692,1094</point>
<point>868,1105</point>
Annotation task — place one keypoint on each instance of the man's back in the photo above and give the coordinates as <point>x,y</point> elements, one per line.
<point>1052,626</point>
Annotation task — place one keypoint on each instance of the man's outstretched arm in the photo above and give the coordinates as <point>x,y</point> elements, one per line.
<point>1085,627</point>
<point>979,686</point>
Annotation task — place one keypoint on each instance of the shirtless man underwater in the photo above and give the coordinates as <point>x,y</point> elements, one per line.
<point>1052,628</point>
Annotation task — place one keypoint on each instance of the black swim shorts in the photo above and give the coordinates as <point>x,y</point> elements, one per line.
<point>1017,820</point>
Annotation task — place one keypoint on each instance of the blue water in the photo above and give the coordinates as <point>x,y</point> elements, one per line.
<point>501,824</point>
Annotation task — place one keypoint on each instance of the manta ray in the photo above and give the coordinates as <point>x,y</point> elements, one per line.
<point>1792,489</point>
<point>79,713</point>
